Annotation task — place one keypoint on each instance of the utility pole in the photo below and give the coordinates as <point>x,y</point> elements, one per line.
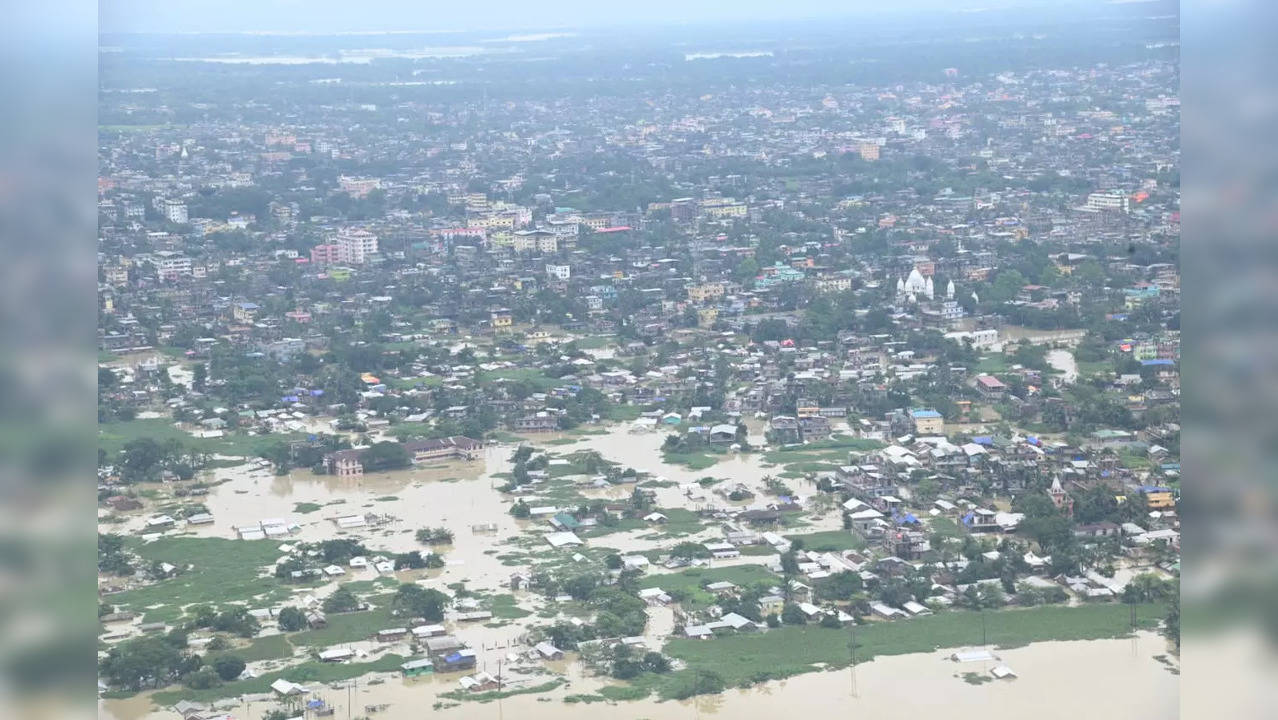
<point>852,650</point>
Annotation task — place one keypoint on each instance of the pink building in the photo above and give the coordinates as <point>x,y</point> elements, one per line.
<point>324,254</point>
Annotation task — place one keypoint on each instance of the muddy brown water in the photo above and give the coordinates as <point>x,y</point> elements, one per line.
<point>1101,679</point>
<point>1098,679</point>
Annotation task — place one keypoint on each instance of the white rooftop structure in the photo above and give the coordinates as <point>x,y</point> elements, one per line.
<point>979,655</point>
<point>563,539</point>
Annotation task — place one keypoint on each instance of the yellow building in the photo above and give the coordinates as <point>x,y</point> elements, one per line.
<point>705,292</point>
<point>1160,499</point>
<point>927,421</point>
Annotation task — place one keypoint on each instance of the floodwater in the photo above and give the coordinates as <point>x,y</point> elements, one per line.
<point>1119,677</point>
<point>1063,360</point>
<point>1102,678</point>
<point>1098,679</point>
<point>461,495</point>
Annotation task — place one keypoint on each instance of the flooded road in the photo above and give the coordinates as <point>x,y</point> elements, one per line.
<point>1098,679</point>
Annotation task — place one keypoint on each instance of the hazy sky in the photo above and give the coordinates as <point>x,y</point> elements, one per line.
<point>327,16</point>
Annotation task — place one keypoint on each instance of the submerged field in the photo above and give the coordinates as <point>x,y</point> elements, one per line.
<point>745,659</point>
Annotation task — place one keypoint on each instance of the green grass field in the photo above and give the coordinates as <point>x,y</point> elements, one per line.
<point>224,571</point>
<point>754,657</point>
<point>992,363</point>
<point>115,435</point>
<point>679,521</point>
<point>533,376</point>
<point>270,647</point>
<point>594,342</point>
<point>830,540</point>
<point>505,607</point>
<point>821,455</point>
<point>692,460</point>
<point>347,627</point>
<point>691,580</point>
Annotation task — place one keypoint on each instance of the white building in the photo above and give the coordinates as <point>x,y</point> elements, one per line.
<point>358,187</point>
<point>559,272</point>
<point>354,246</point>
<point>170,265</point>
<point>980,338</point>
<point>174,211</point>
<point>1107,201</point>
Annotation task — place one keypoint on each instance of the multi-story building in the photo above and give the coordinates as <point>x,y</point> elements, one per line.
<point>720,208</point>
<point>355,246</point>
<point>833,284</point>
<point>345,463</point>
<point>927,421</point>
<point>174,211</point>
<point>1107,202</point>
<point>116,275</point>
<point>705,292</point>
<point>542,241</point>
<point>358,187</point>
<point>324,254</point>
<point>171,265</point>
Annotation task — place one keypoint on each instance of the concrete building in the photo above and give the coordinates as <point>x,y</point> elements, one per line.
<point>355,246</point>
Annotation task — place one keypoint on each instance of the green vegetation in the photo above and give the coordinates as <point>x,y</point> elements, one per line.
<point>623,413</point>
<point>346,627</point>
<point>692,460</point>
<point>270,647</point>
<point>594,342</point>
<point>749,658</point>
<point>308,672</point>
<point>625,692</point>
<point>304,508</point>
<point>587,699</point>
<point>974,678</point>
<point>828,453</point>
<point>679,521</point>
<point>223,571</point>
<point>533,377</point>
<point>491,695</point>
<point>113,436</point>
<point>830,540</point>
<point>689,582</point>
<point>945,527</point>
<point>992,364</point>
